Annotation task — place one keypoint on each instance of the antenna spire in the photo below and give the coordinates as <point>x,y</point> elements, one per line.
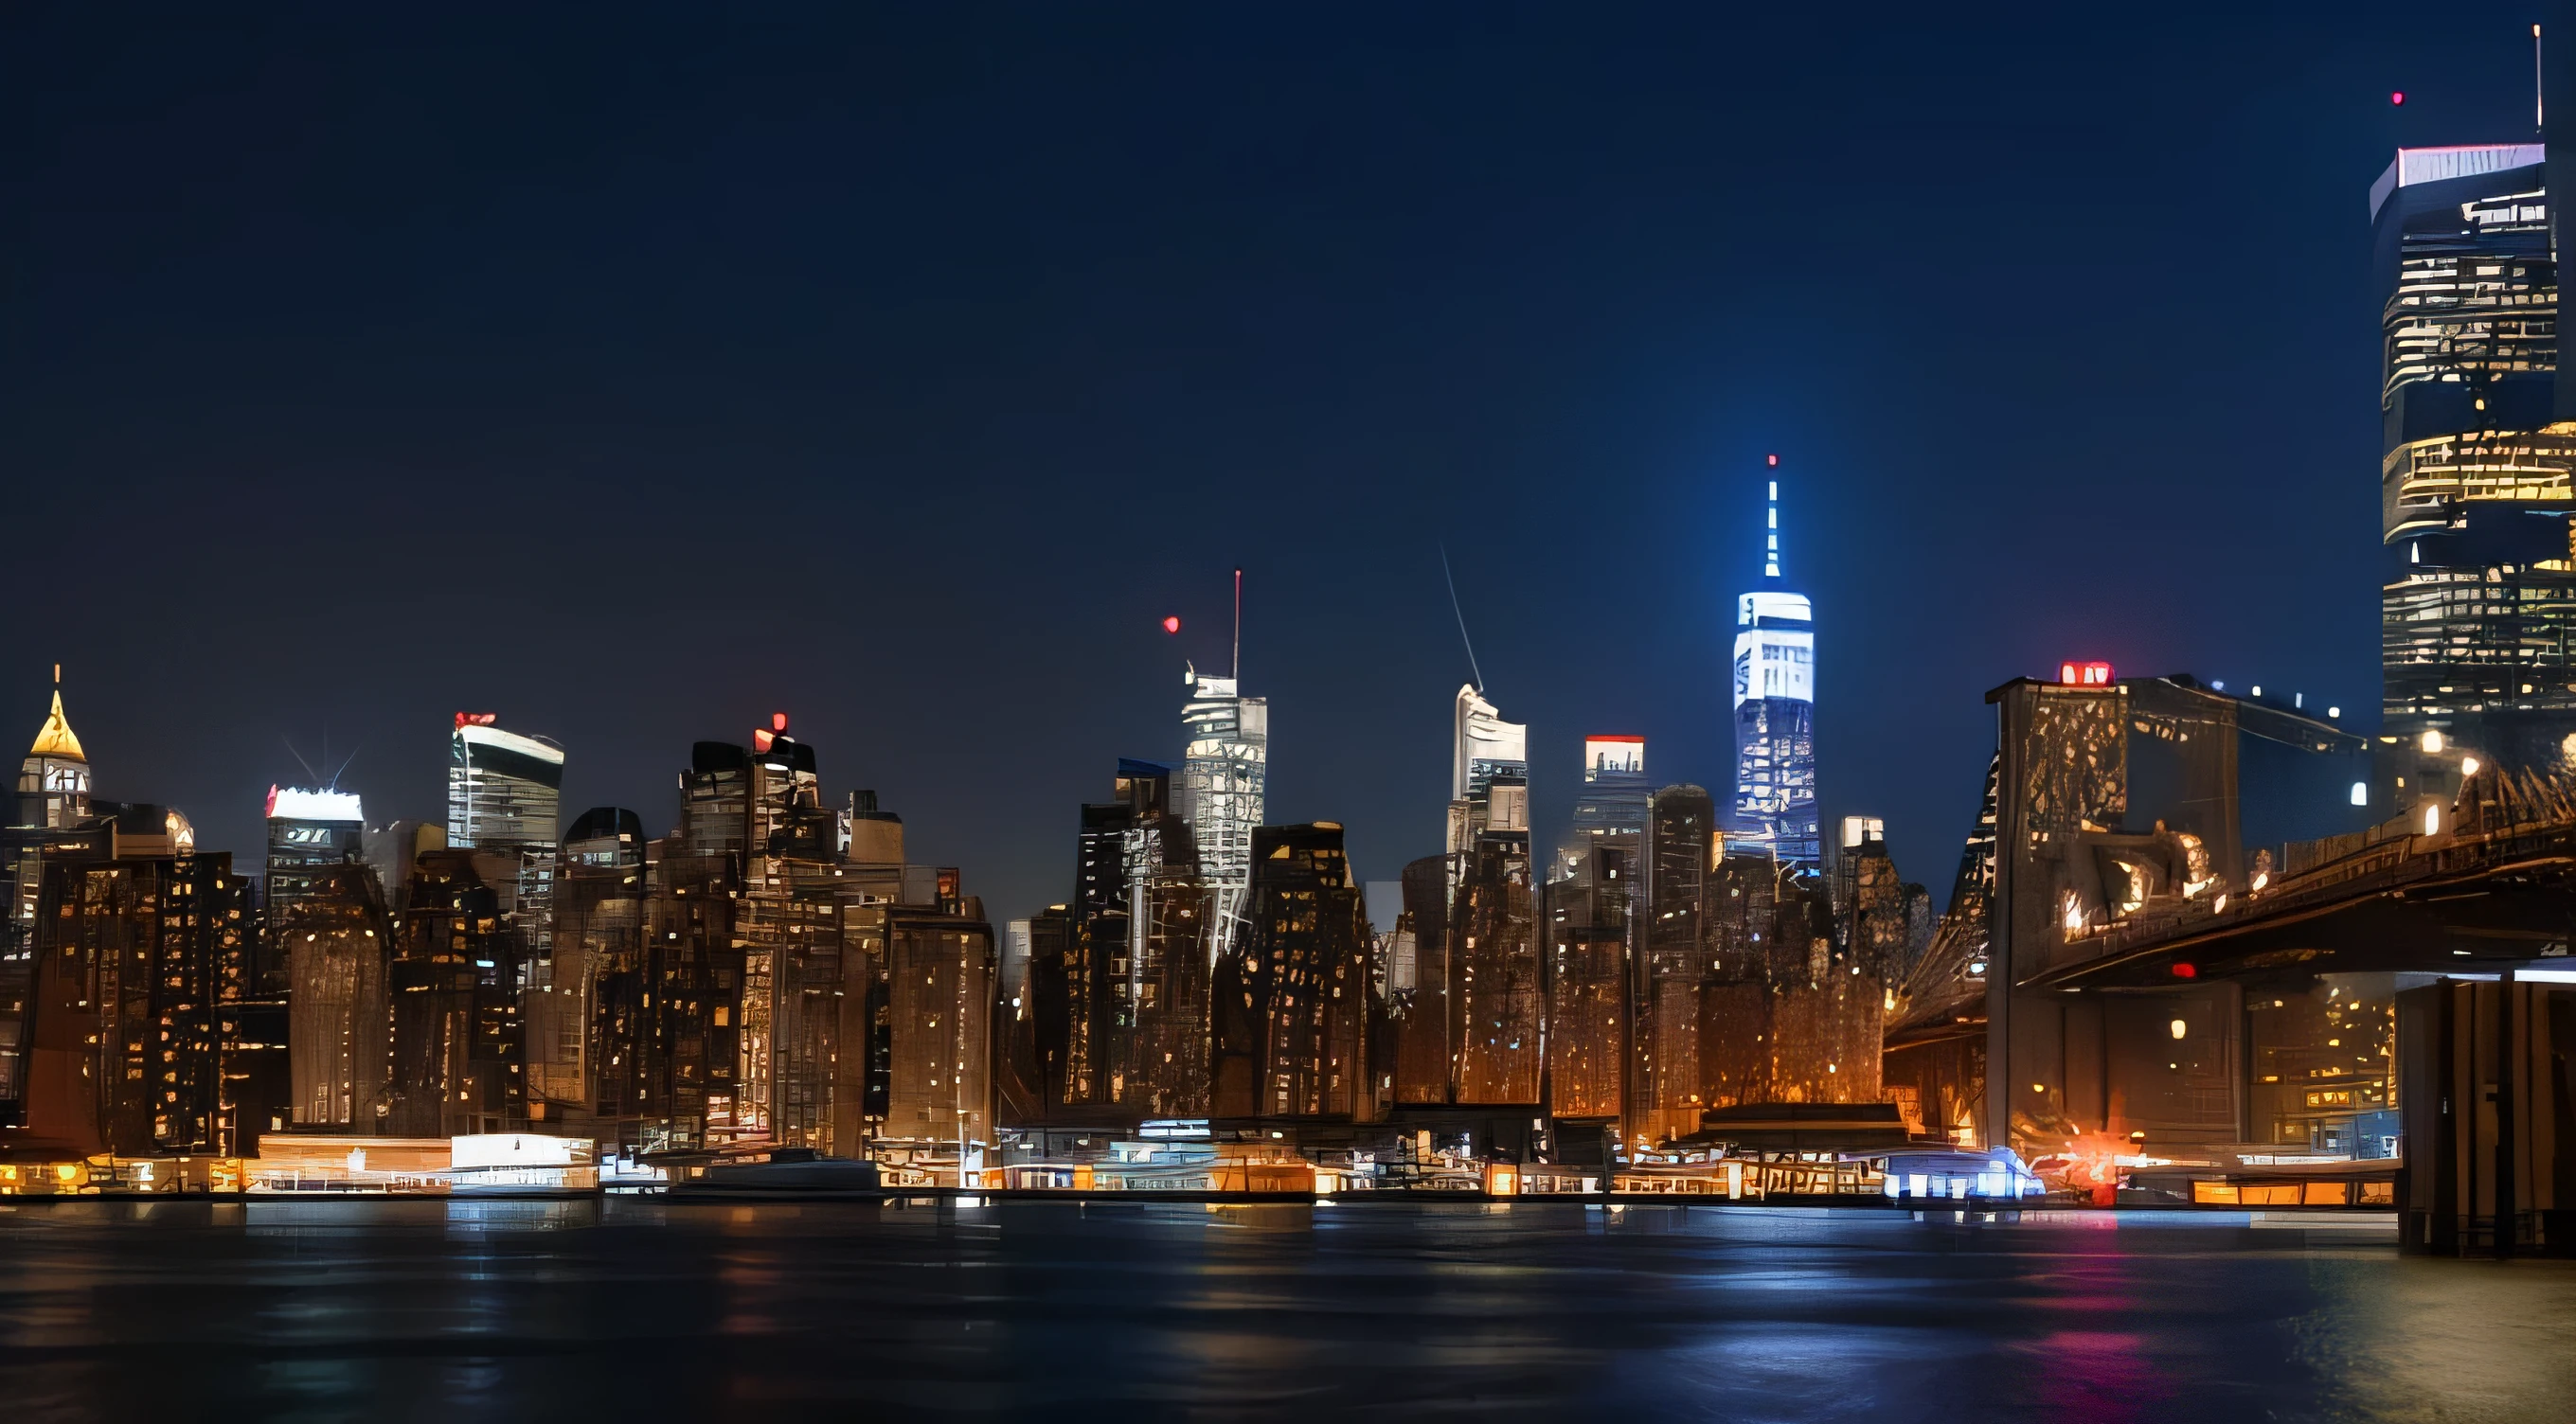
<point>1771,538</point>
<point>1238,630</point>
<point>2538,114</point>
<point>1452,581</point>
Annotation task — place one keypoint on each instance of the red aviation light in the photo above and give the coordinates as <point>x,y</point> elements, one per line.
<point>2397,96</point>
<point>2084,674</point>
<point>1771,460</point>
<point>2186,970</point>
<point>778,721</point>
<point>477,719</point>
<point>761,738</point>
<point>1172,624</point>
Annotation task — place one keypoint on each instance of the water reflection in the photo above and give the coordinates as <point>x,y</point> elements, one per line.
<point>640,1307</point>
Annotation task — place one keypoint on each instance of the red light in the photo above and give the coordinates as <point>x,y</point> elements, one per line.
<point>2092,674</point>
<point>2186,971</point>
<point>1172,624</point>
<point>760,739</point>
<point>477,719</point>
<point>1771,459</point>
<point>2397,96</point>
<point>778,721</point>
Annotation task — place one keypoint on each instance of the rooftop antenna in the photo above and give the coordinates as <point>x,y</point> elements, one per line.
<point>1451,580</point>
<point>1771,540</point>
<point>2537,113</point>
<point>1238,629</point>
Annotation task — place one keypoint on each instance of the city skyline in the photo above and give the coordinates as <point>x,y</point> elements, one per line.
<point>1482,361</point>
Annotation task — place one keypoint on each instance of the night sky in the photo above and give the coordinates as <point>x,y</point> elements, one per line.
<point>637,373</point>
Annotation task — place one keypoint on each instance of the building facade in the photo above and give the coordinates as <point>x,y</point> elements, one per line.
<point>1775,711</point>
<point>1225,772</point>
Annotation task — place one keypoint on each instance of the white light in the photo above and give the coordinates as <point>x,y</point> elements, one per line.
<point>2334,711</point>
<point>2218,687</point>
<point>2179,1028</point>
<point>294,804</point>
<point>1775,489</point>
<point>2361,793</point>
<point>2468,766</point>
<point>2433,819</point>
<point>2258,689</point>
<point>2432,741</point>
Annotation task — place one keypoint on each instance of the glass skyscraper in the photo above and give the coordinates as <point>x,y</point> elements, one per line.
<point>1224,773</point>
<point>505,793</point>
<point>1775,711</point>
<point>2479,593</point>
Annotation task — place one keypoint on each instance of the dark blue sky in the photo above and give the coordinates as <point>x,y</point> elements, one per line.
<point>635,373</point>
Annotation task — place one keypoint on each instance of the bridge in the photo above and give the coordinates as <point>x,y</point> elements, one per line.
<point>2117,965</point>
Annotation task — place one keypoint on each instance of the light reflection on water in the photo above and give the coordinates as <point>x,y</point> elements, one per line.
<point>636,1307</point>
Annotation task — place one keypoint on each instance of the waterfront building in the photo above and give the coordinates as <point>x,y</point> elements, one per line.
<point>131,936</point>
<point>1775,710</point>
<point>1591,928</point>
<point>458,1053</point>
<point>926,1076</point>
<point>583,1002</point>
<point>1682,849</point>
<point>2479,548</point>
<point>337,943</point>
<point>1223,791</point>
<point>1423,1005</point>
<point>1497,974</point>
<point>1292,1014</point>
<point>52,796</point>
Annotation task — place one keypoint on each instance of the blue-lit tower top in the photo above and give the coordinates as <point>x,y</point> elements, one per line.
<point>1775,708</point>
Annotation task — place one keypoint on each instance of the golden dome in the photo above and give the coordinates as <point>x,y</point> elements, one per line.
<point>55,738</point>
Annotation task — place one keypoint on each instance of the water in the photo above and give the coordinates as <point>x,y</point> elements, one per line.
<point>635,1308</point>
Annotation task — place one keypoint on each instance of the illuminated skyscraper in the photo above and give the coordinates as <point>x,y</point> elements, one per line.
<point>504,794</point>
<point>53,794</point>
<point>306,829</point>
<point>2475,500</point>
<point>1224,772</point>
<point>1775,710</point>
<point>1486,749</point>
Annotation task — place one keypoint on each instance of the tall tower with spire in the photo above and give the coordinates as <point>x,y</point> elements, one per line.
<point>53,793</point>
<point>1775,707</point>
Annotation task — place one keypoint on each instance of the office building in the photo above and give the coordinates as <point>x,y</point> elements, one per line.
<point>2479,549</point>
<point>584,1002</point>
<point>1775,711</point>
<point>306,829</point>
<point>1613,796</point>
<point>337,943</point>
<point>131,936</point>
<point>53,794</point>
<point>504,796</point>
<point>1484,749</point>
<point>458,1053</point>
<point>1292,1004</point>
<point>1222,791</point>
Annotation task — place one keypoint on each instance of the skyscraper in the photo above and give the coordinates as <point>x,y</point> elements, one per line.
<point>505,794</point>
<point>2480,552</point>
<point>1486,748</point>
<point>53,794</point>
<point>1612,799</point>
<point>1775,710</point>
<point>307,829</point>
<point>1224,772</point>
